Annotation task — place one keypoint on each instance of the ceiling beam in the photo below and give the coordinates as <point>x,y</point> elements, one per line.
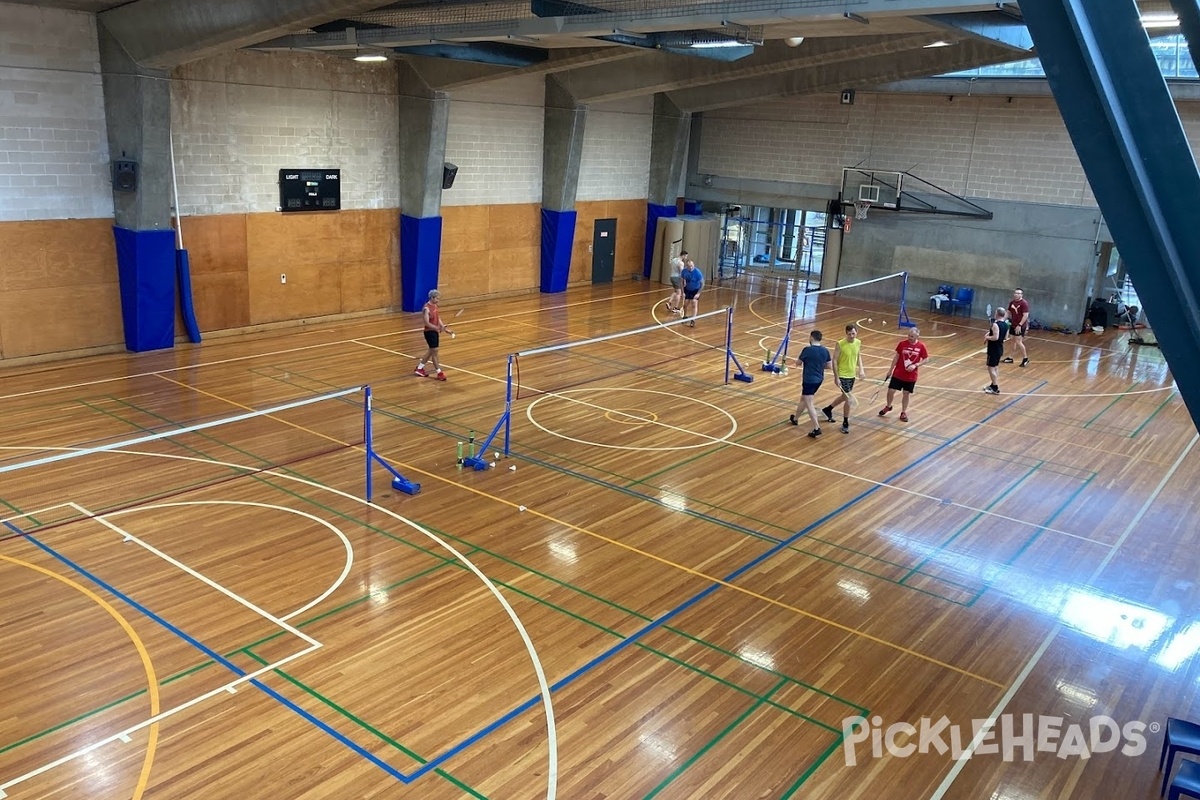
<point>661,72</point>
<point>162,34</point>
<point>918,63</point>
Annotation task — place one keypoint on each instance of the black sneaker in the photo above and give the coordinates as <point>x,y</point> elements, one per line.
<point>845,426</point>
<point>814,433</point>
<point>792,419</point>
<point>1007,361</point>
<point>828,412</point>
<point>1024,362</point>
<point>993,389</point>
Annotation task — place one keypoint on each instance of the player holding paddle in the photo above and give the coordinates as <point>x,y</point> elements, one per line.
<point>847,365</point>
<point>433,328</point>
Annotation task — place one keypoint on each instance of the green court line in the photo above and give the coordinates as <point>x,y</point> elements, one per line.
<point>1111,403</point>
<point>23,516</point>
<point>383,737</point>
<point>1036,535</point>
<point>963,528</point>
<point>722,523</point>
<point>713,742</point>
<point>808,773</point>
<point>101,709</point>
<point>1138,429</point>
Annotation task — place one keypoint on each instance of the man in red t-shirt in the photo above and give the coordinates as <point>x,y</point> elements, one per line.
<point>910,354</point>
<point>433,327</point>
<point>1018,318</point>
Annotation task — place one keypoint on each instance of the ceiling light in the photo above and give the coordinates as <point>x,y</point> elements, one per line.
<point>371,58</point>
<point>938,44</point>
<point>1161,19</point>
<point>709,45</point>
<point>793,41</point>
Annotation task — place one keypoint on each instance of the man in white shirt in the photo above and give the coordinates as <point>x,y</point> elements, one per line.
<point>675,301</point>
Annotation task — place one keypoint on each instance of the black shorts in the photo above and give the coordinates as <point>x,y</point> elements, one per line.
<point>1017,330</point>
<point>431,338</point>
<point>690,294</point>
<point>903,386</point>
<point>847,384</point>
<point>995,352</point>
<point>809,389</point>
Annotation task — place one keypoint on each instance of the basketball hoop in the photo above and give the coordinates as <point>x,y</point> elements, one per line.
<point>861,207</point>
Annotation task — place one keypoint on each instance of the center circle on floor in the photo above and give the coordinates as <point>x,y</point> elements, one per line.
<point>679,411</point>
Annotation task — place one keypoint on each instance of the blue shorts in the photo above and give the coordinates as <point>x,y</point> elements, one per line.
<point>809,389</point>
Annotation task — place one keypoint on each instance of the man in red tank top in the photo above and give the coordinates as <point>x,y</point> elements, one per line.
<point>1018,318</point>
<point>433,327</point>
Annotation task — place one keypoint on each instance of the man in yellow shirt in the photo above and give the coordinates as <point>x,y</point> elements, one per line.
<point>847,365</point>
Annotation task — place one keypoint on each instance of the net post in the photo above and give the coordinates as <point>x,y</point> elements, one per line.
<point>399,482</point>
<point>781,351</point>
<point>741,375</point>
<point>905,322</point>
<point>367,442</point>
<point>508,393</point>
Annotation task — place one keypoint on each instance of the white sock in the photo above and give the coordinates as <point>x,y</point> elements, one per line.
<point>421,365</point>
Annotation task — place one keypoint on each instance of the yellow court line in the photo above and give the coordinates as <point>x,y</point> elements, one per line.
<point>630,548</point>
<point>147,664</point>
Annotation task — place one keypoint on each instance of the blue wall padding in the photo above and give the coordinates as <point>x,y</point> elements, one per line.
<point>653,213</point>
<point>558,236</point>
<point>183,273</point>
<point>692,208</point>
<point>420,256</point>
<point>146,271</point>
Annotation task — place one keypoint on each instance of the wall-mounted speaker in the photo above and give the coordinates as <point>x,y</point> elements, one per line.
<point>847,97</point>
<point>125,176</point>
<point>448,172</point>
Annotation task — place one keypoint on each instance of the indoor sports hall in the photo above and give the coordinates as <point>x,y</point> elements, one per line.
<point>247,551</point>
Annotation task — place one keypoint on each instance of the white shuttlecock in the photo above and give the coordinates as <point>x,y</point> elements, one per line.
<point>870,320</point>
<point>496,456</point>
<point>512,468</point>
<point>520,508</point>
<point>452,335</point>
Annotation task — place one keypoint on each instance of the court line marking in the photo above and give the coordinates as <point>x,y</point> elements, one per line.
<point>235,359</point>
<point>859,324</point>
<point>612,541</point>
<point>1025,672</point>
<point>790,459</point>
<point>642,420</point>
<point>147,666</point>
<point>963,358</point>
<point>551,732</point>
<point>345,541</point>
<point>552,740</point>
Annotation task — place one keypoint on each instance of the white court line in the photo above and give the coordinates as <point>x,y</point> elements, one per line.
<point>237,598</point>
<point>128,732</point>
<point>964,358</point>
<point>955,770</point>
<point>790,459</point>
<point>345,542</point>
<point>31,513</point>
<point>286,351</point>
<point>544,687</point>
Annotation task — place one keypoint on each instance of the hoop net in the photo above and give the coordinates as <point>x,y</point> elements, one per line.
<point>861,207</point>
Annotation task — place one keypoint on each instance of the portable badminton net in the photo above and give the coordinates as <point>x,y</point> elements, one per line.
<point>654,349</point>
<point>164,458</point>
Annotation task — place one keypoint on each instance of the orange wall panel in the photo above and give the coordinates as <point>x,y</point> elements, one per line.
<point>48,253</point>
<point>56,319</point>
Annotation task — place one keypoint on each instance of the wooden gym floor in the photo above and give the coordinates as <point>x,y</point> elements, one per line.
<point>708,593</point>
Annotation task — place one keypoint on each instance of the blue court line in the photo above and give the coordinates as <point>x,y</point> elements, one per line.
<point>215,656</point>
<point>660,621</point>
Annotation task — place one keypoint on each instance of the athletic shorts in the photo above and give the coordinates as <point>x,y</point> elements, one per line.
<point>1016,331</point>
<point>903,386</point>
<point>847,384</point>
<point>675,281</point>
<point>690,294</point>
<point>995,352</point>
<point>809,389</point>
<point>431,338</point>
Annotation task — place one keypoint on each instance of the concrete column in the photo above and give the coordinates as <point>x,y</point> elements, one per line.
<point>562,151</point>
<point>668,145</point>
<point>424,118</point>
<point>137,107</point>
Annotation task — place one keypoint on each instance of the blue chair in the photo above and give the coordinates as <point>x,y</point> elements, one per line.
<point>1187,781</point>
<point>1181,737</point>
<point>946,289</point>
<point>964,298</point>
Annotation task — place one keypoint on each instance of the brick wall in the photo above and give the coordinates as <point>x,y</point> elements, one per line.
<point>241,117</point>
<point>54,151</point>
<point>495,138</point>
<point>983,147</point>
<point>616,150</point>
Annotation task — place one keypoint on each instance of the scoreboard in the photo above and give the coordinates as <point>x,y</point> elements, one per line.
<point>310,189</point>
